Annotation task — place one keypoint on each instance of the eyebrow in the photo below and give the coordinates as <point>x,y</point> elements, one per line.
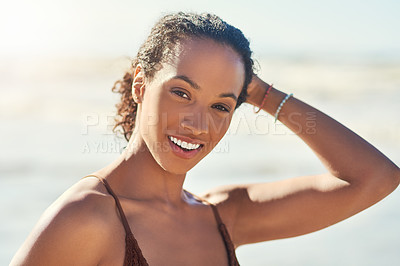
<point>188,80</point>
<point>197,87</point>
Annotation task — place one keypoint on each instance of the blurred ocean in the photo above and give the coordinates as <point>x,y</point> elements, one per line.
<point>56,119</point>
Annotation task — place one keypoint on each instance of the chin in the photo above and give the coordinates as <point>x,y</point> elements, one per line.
<point>174,165</point>
<point>173,168</point>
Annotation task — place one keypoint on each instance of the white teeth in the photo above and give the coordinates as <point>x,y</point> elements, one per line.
<point>184,144</point>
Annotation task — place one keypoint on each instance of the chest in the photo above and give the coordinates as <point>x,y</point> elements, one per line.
<point>170,240</point>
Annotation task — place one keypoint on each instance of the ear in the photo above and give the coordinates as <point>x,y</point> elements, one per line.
<point>138,84</point>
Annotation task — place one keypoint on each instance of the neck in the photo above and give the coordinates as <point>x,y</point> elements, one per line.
<point>136,175</point>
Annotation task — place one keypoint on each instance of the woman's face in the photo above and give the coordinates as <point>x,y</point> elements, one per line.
<point>188,104</point>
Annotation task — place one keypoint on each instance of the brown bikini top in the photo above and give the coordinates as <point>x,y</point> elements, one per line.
<point>133,253</point>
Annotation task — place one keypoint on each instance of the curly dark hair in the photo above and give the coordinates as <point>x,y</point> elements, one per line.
<point>169,31</point>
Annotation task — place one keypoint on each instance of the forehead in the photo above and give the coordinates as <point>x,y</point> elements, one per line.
<point>214,66</point>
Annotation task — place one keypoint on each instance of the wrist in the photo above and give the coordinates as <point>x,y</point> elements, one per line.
<point>256,91</point>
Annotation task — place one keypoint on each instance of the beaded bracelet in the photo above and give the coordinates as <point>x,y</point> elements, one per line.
<point>263,101</point>
<point>280,106</point>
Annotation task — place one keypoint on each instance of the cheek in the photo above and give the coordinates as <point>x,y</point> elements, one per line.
<point>150,118</point>
<point>218,126</point>
<point>217,129</point>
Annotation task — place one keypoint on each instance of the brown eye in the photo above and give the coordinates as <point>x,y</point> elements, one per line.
<point>221,108</point>
<point>181,94</point>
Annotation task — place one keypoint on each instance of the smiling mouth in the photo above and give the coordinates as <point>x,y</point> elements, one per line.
<point>185,146</point>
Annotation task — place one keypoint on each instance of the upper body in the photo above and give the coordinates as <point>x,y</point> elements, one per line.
<point>83,228</point>
<point>192,97</point>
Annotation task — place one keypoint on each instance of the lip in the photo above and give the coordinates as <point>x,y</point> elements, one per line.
<point>184,154</point>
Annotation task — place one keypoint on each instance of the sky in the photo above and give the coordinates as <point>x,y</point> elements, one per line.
<point>117,28</point>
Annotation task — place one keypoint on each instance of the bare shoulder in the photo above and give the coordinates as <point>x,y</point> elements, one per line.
<point>72,231</point>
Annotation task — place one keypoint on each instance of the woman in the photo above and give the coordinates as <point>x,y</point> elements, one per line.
<point>189,76</point>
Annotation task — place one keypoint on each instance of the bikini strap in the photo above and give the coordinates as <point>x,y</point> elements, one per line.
<point>223,231</point>
<point>213,207</point>
<point>121,212</point>
<point>227,239</point>
<point>133,253</point>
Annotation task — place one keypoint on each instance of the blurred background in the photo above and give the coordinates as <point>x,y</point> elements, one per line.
<point>59,60</point>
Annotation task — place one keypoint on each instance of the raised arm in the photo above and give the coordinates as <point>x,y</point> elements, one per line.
<point>358,176</point>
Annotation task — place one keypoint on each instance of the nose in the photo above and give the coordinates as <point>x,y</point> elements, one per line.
<point>196,123</point>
